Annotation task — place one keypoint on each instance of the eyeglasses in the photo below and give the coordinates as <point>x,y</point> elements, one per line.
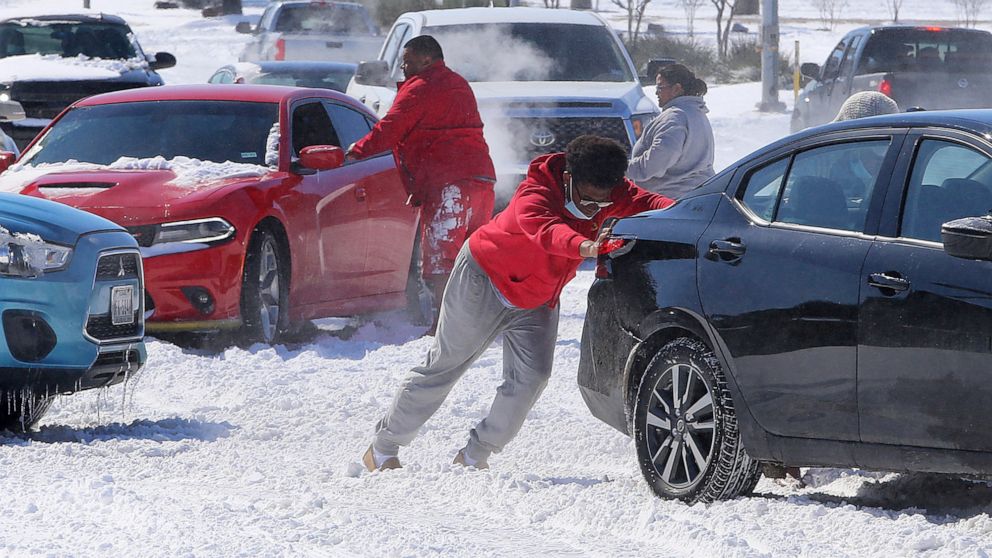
<point>587,202</point>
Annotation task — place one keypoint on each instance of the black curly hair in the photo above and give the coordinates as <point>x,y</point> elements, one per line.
<point>599,162</point>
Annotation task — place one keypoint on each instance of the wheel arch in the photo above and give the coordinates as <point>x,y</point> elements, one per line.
<point>668,324</point>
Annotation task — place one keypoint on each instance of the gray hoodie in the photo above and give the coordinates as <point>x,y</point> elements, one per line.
<point>675,152</point>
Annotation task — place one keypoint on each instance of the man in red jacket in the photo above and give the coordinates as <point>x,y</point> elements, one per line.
<point>507,280</point>
<point>435,132</point>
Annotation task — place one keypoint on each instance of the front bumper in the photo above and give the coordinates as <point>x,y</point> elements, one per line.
<point>57,332</point>
<point>173,278</point>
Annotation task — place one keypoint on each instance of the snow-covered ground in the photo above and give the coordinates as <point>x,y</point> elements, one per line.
<point>255,452</point>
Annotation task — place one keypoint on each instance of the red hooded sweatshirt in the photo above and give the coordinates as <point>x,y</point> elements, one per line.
<point>435,131</point>
<point>531,249</point>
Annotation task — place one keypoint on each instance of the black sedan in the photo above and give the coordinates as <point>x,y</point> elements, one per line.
<point>322,75</point>
<point>819,303</point>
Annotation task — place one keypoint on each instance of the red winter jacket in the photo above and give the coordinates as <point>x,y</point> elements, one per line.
<point>531,249</point>
<point>436,131</point>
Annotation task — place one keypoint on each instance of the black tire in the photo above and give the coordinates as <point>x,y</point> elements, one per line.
<point>265,288</point>
<point>691,450</point>
<point>20,412</point>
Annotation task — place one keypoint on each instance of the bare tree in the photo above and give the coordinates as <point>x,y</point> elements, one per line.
<point>725,11</point>
<point>635,14</point>
<point>830,10</point>
<point>690,7</point>
<point>968,11</point>
<point>894,6</point>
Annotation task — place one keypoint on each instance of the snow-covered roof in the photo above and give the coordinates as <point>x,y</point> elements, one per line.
<point>464,16</point>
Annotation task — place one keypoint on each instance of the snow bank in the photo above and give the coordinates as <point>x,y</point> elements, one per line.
<point>189,173</point>
<point>52,67</point>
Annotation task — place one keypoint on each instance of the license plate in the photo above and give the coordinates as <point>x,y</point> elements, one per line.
<point>122,305</point>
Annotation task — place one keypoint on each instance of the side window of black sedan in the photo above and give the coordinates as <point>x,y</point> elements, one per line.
<point>826,187</point>
<point>949,181</point>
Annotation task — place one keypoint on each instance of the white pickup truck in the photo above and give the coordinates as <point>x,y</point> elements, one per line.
<point>542,78</point>
<point>312,30</point>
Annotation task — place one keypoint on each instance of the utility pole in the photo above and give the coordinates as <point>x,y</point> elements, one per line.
<point>86,4</point>
<point>769,58</point>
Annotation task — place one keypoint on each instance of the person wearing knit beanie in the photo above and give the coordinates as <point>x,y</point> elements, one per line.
<point>864,104</point>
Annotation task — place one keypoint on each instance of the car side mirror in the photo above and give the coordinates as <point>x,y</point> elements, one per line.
<point>162,60</point>
<point>969,238</point>
<point>373,72</point>
<point>810,70</point>
<point>11,111</point>
<point>243,27</point>
<point>6,160</point>
<point>321,157</point>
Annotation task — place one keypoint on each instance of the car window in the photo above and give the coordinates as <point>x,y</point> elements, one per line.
<point>350,125</point>
<point>391,52</point>
<point>312,126</point>
<point>849,58</point>
<point>927,50</point>
<point>266,21</point>
<point>763,187</point>
<point>66,38</point>
<point>830,186</point>
<point>396,71</point>
<point>832,65</point>
<point>223,76</point>
<point>948,181</point>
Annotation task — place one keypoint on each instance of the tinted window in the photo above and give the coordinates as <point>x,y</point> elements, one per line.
<point>832,65</point>
<point>949,181</point>
<point>532,52</point>
<point>924,50</point>
<point>311,126</point>
<point>830,186</point>
<point>323,18</point>
<point>849,58</point>
<point>322,78</point>
<point>350,125</point>
<point>206,130</point>
<point>68,39</point>
<point>763,188</point>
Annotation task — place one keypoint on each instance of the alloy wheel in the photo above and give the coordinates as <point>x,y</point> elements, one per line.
<point>680,426</point>
<point>268,289</point>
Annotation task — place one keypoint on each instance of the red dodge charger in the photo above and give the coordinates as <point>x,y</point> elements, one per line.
<point>239,196</point>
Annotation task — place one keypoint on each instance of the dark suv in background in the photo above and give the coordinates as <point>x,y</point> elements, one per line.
<point>929,67</point>
<point>816,304</point>
<point>39,54</point>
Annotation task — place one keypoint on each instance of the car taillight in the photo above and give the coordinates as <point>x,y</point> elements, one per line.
<point>885,87</point>
<point>611,248</point>
<point>280,49</point>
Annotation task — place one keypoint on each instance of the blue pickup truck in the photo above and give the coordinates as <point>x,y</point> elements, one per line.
<point>71,306</point>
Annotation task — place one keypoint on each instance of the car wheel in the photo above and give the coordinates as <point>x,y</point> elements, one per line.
<point>264,289</point>
<point>20,412</point>
<point>685,428</point>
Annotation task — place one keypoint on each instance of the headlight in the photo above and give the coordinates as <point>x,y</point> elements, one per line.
<point>24,255</point>
<point>640,122</point>
<point>4,92</point>
<point>205,231</point>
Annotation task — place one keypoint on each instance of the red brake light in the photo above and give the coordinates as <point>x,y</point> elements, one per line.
<point>885,87</point>
<point>611,244</point>
<point>281,49</point>
<point>933,28</point>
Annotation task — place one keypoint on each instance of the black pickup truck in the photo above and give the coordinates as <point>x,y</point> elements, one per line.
<point>49,62</point>
<point>928,67</point>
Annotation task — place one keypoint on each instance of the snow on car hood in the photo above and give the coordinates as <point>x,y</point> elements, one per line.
<point>493,92</point>
<point>52,67</point>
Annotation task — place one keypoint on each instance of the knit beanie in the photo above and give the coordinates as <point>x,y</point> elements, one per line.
<point>866,103</point>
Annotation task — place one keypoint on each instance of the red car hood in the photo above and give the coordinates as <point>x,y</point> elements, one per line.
<point>123,196</point>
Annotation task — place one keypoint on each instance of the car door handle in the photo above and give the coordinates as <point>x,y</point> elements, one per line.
<point>728,250</point>
<point>889,280</point>
<point>360,194</point>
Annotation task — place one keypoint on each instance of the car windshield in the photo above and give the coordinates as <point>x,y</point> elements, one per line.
<point>322,18</point>
<point>324,79</point>
<point>66,39</point>
<point>532,52</point>
<point>216,131</point>
<point>928,50</point>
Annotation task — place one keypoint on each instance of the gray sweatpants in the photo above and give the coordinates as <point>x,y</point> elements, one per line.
<point>471,318</point>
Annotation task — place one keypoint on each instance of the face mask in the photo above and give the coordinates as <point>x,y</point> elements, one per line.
<point>574,209</point>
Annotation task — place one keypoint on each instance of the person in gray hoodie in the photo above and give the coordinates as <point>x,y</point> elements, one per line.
<point>675,152</point>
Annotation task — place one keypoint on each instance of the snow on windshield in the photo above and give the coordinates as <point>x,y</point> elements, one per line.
<point>189,173</point>
<point>52,67</point>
